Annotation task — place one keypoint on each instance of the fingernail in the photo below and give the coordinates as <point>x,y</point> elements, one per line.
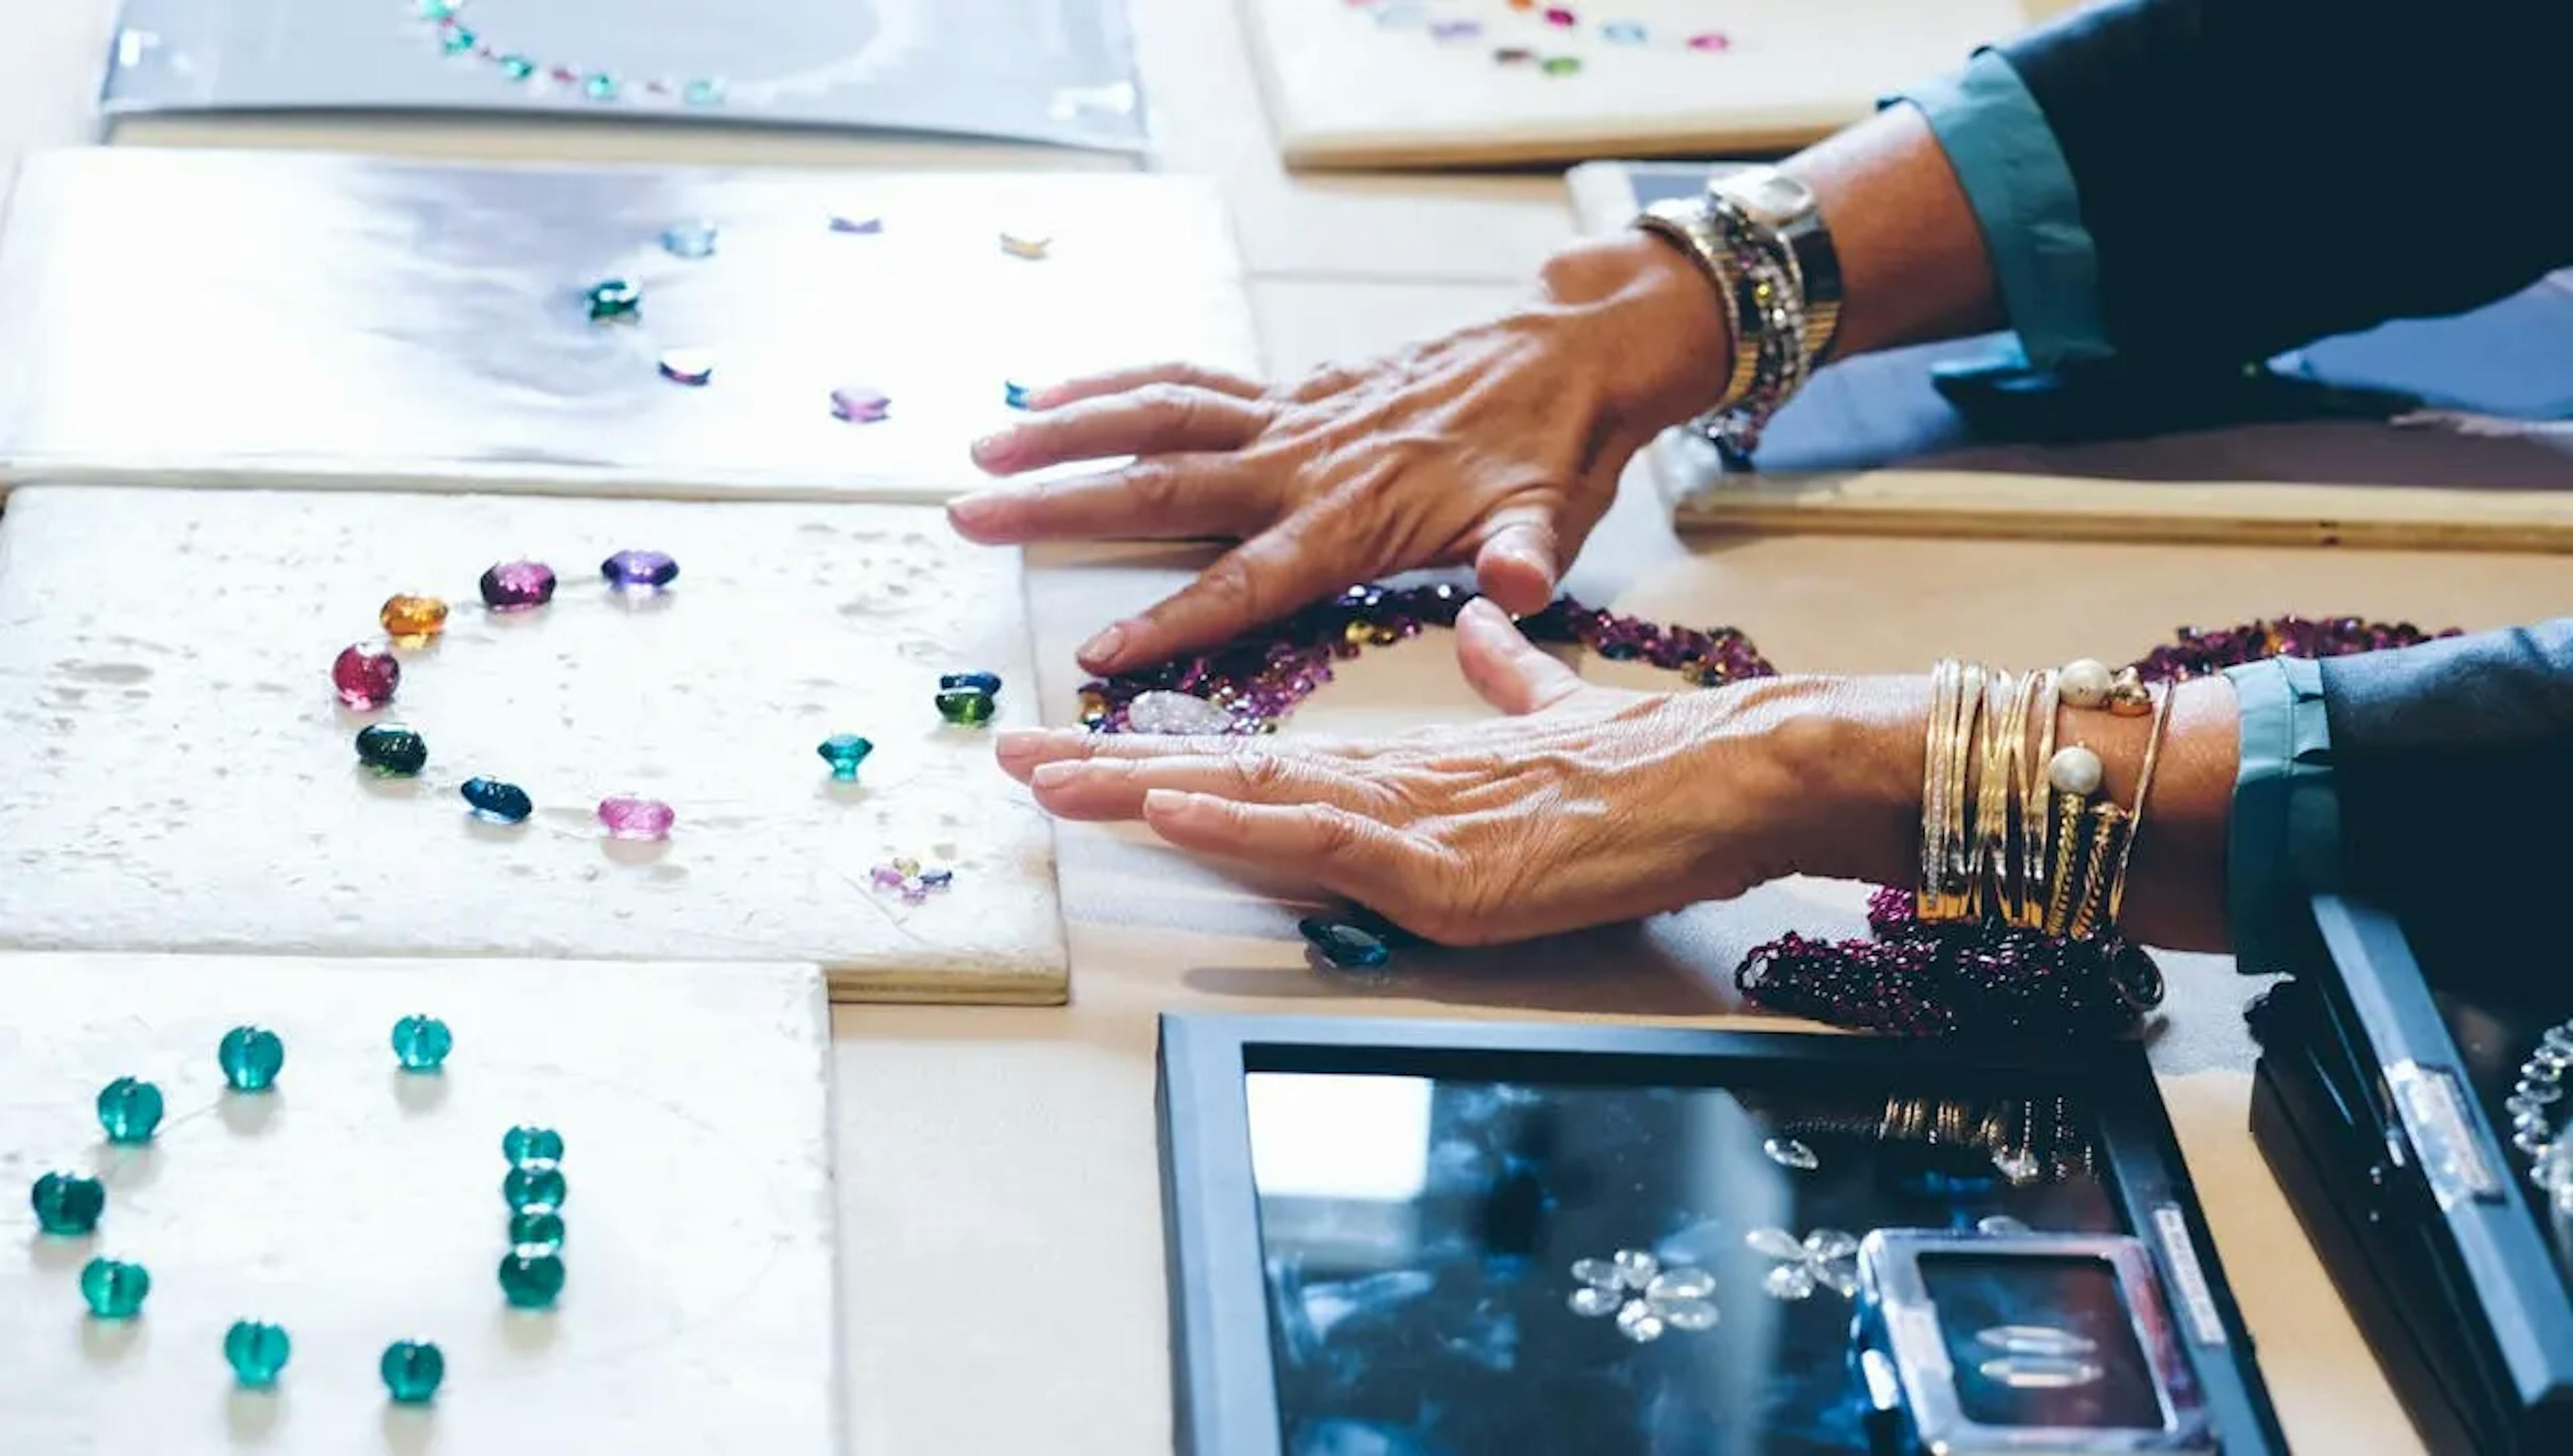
<point>1021,742</point>
<point>992,449</point>
<point>973,510</point>
<point>1484,610</point>
<point>1100,652</point>
<point>1044,398</point>
<point>1052,775</point>
<point>1165,801</point>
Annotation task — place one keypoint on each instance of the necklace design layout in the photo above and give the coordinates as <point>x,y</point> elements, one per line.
<point>457,37</point>
<point>1533,36</point>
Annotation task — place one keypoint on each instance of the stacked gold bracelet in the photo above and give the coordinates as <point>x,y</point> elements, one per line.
<point>2015,831</point>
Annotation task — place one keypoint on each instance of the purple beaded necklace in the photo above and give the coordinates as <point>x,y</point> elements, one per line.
<point>1911,979</point>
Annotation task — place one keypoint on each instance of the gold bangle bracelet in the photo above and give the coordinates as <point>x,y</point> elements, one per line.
<point>2107,837</point>
<point>1943,679</point>
<point>2041,789</point>
<point>2012,872</point>
<point>2144,792</point>
<point>2064,850</point>
<point>1954,857</point>
<point>1992,798</point>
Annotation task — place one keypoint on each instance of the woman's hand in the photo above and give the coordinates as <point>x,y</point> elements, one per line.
<point>1590,805</point>
<point>1499,445</point>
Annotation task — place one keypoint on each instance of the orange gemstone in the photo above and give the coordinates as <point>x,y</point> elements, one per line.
<point>413,619</point>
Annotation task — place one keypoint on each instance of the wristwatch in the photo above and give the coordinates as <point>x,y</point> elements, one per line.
<point>1784,206</point>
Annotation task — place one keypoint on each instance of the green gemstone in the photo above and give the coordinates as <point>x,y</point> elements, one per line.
<point>251,1057</point>
<point>531,1275</point>
<point>844,752</point>
<point>114,1288</point>
<point>600,86</point>
<point>702,93</point>
<point>458,40</point>
<point>68,1203</point>
<point>129,1110</point>
<point>1560,65</point>
<point>518,68</point>
<point>391,749</point>
<point>614,297</point>
<point>966,705</point>
<point>257,1352</point>
<point>537,1225</point>
<point>421,1043</point>
<point>526,1141</point>
<point>536,1180</point>
<point>413,1370</point>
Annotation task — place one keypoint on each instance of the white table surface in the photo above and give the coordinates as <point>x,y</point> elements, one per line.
<point>1000,1253</point>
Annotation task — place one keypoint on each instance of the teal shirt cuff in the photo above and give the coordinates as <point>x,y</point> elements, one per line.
<point>2017,181</point>
<point>2283,841</point>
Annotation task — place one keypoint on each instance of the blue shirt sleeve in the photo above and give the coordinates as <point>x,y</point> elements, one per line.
<point>2015,179</point>
<point>2283,843</point>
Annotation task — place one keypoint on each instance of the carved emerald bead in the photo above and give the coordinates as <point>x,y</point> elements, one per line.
<point>531,1275</point>
<point>251,1057</point>
<point>256,1351</point>
<point>537,1225</point>
<point>68,1203</point>
<point>130,1109</point>
<point>114,1288</point>
<point>527,1141</point>
<point>536,1180</point>
<point>971,707</point>
<point>413,1370</point>
<point>421,1043</point>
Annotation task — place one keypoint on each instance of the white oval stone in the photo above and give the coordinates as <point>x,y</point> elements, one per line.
<point>2075,771</point>
<point>1592,1303</point>
<point>1164,711</point>
<point>2085,683</point>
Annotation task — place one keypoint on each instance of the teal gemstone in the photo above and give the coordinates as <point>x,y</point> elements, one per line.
<point>702,93</point>
<point>970,706</point>
<point>614,297</point>
<point>600,86</point>
<point>436,9</point>
<point>458,40</point>
<point>256,1351</point>
<point>498,802</point>
<point>421,1043</point>
<point>979,682</point>
<point>536,1180</point>
<point>518,68</point>
<point>68,1203</point>
<point>391,749</point>
<point>114,1288</point>
<point>531,1275</point>
<point>251,1057</point>
<point>413,1370</point>
<point>536,1226</point>
<point>129,1110</point>
<point>525,1143</point>
<point>844,752</point>
<point>1344,946</point>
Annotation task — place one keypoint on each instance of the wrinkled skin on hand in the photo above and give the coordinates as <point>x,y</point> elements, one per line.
<point>1588,805</point>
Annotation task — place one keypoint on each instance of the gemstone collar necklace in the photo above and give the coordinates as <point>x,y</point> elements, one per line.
<point>457,38</point>
<point>1527,37</point>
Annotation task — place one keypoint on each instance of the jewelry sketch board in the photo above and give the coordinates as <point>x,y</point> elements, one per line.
<point>1870,448</point>
<point>355,1204</point>
<point>1063,72</point>
<point>315,320</point>
<point>1423,83</point>
<point>185,779</point>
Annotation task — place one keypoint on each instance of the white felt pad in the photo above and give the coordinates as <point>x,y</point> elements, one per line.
<point>183,778</point>
<point>356,1204</point>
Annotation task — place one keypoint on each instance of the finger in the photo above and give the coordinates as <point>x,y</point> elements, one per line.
<point>1118,382</point>
<point>1168,495</point>
<point>1520,559</point>
<point>1155,419</point>
<point>1322,842</point>
<point>1266,576</point>
<point>1115,788</point>
<point>1511,673</point>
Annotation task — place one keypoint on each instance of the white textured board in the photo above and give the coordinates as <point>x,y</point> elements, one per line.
<point>307,319</point>
<point>355,1204</point>
<point>1422,82</point>
<point>182,777</point>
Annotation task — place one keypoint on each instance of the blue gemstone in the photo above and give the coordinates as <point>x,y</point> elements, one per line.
<point>527,1141</point>
<point>536,1180</point>
<point>1624,32</point>
<point>413,1370</point>
<point>256,1351</point>
<point>498,802</point>
<point>391,749</point>
<point>844,752</point>
<point>113,1288</point>
<point>251,1057</point>
<point>973,682</point>
<point>531,1276</point>
<point>702,93</point>
<point>1015,395</point>
<point>421,1043</point>
<point>538,1226</point>
<point>68,1203</point>
<point>933,879</point>
<point>1344,946</point>
<point>690,240</point>
<point>129,1110</point>
<point>640,570</point>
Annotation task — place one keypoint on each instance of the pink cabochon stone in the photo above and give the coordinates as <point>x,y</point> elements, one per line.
<point>364,677</point>
<point>627,817</point>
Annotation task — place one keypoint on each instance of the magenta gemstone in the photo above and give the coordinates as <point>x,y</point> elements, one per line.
<point>1713,40</point>
<point>365,676</point>
<point>631,818</point>
<point>639,570</point>
<point>859,404</point>
<point>1560,16</point>
<point>516,586</point>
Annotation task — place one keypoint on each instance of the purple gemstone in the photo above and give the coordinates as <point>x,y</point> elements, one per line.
<point>632,818</point>
<point>936,879</point>
<point>517,586</point>
<point>364,677</point>
<point>859,404</point>
<point>1454,30</point>
<point>887,876</point>
<point>864,227</point>
<point>639,570</point>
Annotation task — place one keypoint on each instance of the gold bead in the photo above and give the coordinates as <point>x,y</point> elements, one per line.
<point>412,620</point>
<point>2128,695</point>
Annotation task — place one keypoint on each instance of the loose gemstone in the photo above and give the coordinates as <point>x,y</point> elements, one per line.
<point>251,1057</point>
<point>517,67</point>
<point>412,620</point>
<point>1560,65</point>
<point>1788,1152</point>
<point>1162,711</point>
<point>614,297</point>
<point>640,570</point>
<point>859,404</point>
<point>627,817</point>
<point>498,801</point>
<point>421,1043</point>
<point>1712,40</point>
<point>363,677</point>
<point>844,752</point>
<point>436,9</point>
<point>391,749</point>
<point>1558,16</point>
<point>1456,30</point>
<point>971,707</point>
<point>536,1226</point>
<point>129,1110</point>
<point>534,1180</point>
<point>1624,32</point>
<point>1344,946</point>
<point>1029,246</point>
<point>527,1142</point>
<point>1513,55</point>
<point>257,1352</point>
<point>690,240</point>
<point>517,586</point>
<point>413,1370</point>
<point>702,92</point>
<point>936,879</point>
<point>690,367</point>
<point>864,227</point>
<point>531,1275</point>
<point>114,1288</point>
<point>68,1203</point>
<point>600,86</point>
<point>458,40</point>
<point>981,682</point>
<point>887,875</point>
<point>1015,395</point>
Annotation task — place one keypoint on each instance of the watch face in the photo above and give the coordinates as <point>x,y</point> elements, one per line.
<point>1770,196</point>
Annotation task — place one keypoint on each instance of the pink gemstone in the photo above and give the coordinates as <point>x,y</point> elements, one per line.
<point>631,818</point>
<point>516,586</point>
<point>859,404</point>
<point>1560,16</point>
<point>888,876</point>
<point>365,676</point>
<point>1713,40</point>
<point>565,74</point>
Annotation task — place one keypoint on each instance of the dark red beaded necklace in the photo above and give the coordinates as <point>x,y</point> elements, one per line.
<point>1912,979</point>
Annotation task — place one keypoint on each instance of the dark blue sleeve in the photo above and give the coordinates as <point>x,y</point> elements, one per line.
<point>2257,173</point>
